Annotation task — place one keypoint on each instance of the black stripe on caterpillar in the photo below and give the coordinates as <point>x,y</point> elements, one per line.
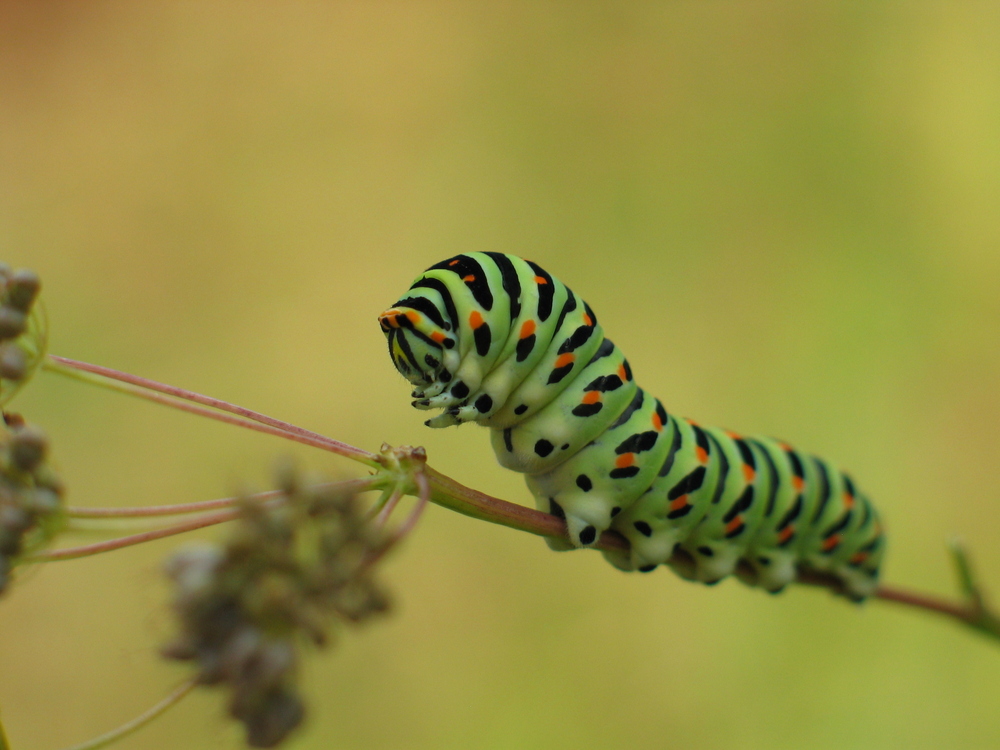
<point>494,339</point>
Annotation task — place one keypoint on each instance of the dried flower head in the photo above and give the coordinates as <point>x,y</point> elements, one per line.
<point>31,509</point>
<point>23,329</point>
<point>291,566</point>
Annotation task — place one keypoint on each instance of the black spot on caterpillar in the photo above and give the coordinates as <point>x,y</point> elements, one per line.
<point>477,337</point>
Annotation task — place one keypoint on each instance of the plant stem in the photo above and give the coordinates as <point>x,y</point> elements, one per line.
<point>389,505</point>
<point>423,497</point>
<point>178,398</point>
<point>200,522</point>
<point>86,550</point>
<point>448,493</point>
<point>923,601</point>
<point>163,510</point>
<point>353,485</point>
<point>139,721</point>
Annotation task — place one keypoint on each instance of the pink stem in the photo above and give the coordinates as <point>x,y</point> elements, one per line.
<point>354,485</point>
<point>389,506</point>
<point>424,497</point>
<point>279,427</point>
<point>70,553</point>
<point>923,601</point>
<point>411,521</point>
<point>162,510</point>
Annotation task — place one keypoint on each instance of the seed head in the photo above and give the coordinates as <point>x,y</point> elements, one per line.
<point>31,509</point>
<point>23,329</point>
<point>291,567</point>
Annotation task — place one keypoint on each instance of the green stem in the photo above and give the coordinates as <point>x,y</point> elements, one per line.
<point>178,398</point>
<point>139,721</point>
<point>448,493</point>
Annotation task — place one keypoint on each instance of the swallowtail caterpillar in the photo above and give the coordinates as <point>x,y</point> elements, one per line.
<point>494,339</point>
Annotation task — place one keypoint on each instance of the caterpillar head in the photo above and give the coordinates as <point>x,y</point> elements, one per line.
<point>422,351</point>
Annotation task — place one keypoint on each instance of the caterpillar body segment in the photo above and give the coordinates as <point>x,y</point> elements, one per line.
<point>494,339</point>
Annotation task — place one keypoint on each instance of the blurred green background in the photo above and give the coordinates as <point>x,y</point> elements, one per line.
<point>786,214</point>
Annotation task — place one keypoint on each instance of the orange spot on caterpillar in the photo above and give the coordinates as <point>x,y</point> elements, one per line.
<point>539,280</point>
<point>786,534</point>
<point>625,460</point>
<point>657,422</point>
<point>591,397</point>
<point>702,454</point>
<point>454,262</point>
<point>748,472</point>
<point>798,483</point>
<point>829,544</point>
<point>564,359</point>
<point>475,319</point>
<point>389,318</point>
<point>622,373</point>
<point>437,337</point>
<point>733,435</point>
<point>527,328</point>
<point>587,320</point>
<point>785,447</point>
<point>470,278</point>
<point>679,502</point>
<point>848,500</point>
<point>859,557</point>
<point>734,524</point>
<point>413,317</point>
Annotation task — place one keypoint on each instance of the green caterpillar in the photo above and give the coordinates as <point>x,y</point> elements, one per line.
<point>494,339</point>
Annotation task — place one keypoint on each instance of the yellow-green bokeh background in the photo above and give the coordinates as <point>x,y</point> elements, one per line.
<point>787,214</point>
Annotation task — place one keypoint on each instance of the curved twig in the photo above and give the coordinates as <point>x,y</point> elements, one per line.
<point>139,721</point>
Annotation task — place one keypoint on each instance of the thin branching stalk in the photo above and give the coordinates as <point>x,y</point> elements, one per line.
<point>386,495</point>
<point>336,446</point>
<point>200,522</point>
<point>423,497</point>
<point>222,411</point>
<point>139,721</point>
<point>389,505</point>
<point>350,485</point>
<point>154,511</point>
<point>86,550</point>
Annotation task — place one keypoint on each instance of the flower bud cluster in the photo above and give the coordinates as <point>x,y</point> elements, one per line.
<point>22,329</point>
<point>243,607</point>
<point>30,494</point>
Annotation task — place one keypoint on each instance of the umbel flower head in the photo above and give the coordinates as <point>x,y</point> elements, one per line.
<point>291,566</point>
<point>31,509</point>
<point>23,329</point>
